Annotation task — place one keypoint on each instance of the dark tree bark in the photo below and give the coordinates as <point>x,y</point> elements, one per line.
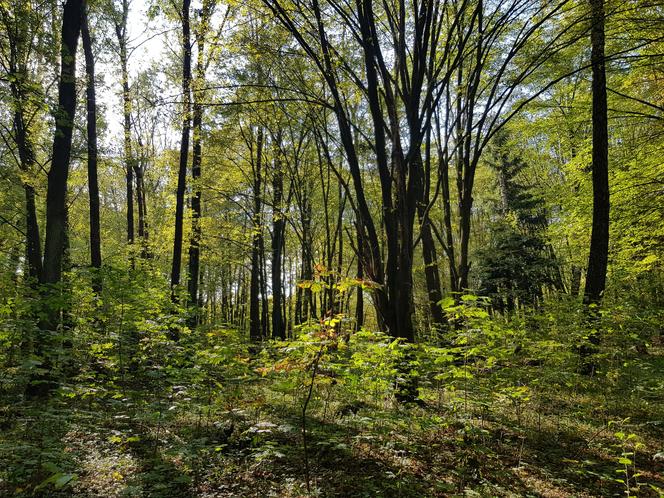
<point>599,239</point>
<point>27,161</point>
<point>194,243</point>
<point>184,146</point>
<point>56,242</point>
<point>33,243</point>
<point>359,303</point>
<point>93,185</point>
<point>196,158</point>
<point>56,207</point>
<point>278,239</point>
<point>255,329</point>
<point>141,203</point>
<point>19,43</point>
<point>121,34</point>
<point>262,285</point>
<point>337,306</point>
<point>429,253</point>
<point>308,298</point>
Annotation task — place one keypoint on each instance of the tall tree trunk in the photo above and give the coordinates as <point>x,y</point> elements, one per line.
<point>196,160</point>
<point>56,198</point>
<point>337,307</point>
<point>33,243</point>
<point>444,173</point>
<point>121,34</point>
<point>308,298</point>
<point>278,232</point>
<point>19,88</point>
<point>195,240</point>
<point>255,328</point>
<point>184,147</point>
<point>265,308</point>
<point>599,239</point>
<point>56,206</point>
<point>93,185</point>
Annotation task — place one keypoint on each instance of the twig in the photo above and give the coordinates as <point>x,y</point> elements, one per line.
<point>314,371</point>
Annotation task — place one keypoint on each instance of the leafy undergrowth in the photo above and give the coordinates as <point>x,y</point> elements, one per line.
<point>228,421</point>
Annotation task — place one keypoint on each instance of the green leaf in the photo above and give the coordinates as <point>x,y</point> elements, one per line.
<point>63,480</point>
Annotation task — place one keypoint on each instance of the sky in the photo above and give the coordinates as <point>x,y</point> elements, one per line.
<point>148,43</point>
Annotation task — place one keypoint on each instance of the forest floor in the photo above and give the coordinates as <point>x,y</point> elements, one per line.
<point>245,439</point>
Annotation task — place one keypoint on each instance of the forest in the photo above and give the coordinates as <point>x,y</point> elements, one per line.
<point>331,248</point>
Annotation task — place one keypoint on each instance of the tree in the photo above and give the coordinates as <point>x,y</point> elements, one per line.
<point>196,158</point>
<point>184,145</point>
<point>20,28</point>
<point>120,21</point>
<point>599,239</point>
<point>278,241</point>
<point>397,93</point>
<point>56,206</point>
<point>515,265</point>
<point>93,184</point>
<point>255,143</point>
<point>56,240</point>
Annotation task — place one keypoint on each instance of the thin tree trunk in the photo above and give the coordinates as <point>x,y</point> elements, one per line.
<point>429,255</point>
<point>184,148</point>
<point>27,158</point>
<point>93,185</point>
<point>265,309</point>
<point>26,152</point>
<point>33,243</point>
<point>278,232</point>
<point>139,172</point>
<point>121,34</point>
<point>338,306</point>
<point>255,328</point>
<point>196,161</point>
<point>359,304</point>
<point>195,240</point>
